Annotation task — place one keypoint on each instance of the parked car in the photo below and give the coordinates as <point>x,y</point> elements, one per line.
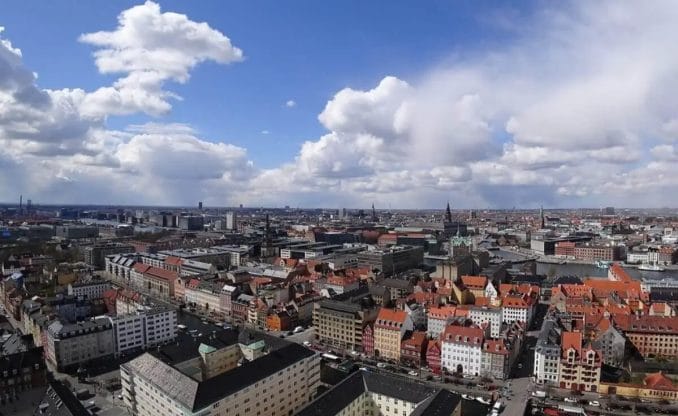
<point>594,403</point>
<point>570,400</point>
<point>381,365</point>
<point>413,373</point>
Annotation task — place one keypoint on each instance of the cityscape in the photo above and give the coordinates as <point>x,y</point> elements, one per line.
<point>351,208</point>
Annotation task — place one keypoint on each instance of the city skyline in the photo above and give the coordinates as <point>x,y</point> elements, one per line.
<point>350,105</point>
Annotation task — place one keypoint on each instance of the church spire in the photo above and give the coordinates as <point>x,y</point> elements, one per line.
<point>541,215</point>
<point>448,213</point>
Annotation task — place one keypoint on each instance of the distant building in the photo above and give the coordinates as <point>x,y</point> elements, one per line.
<point>393,260</point>
<point>231,220</point>
<point>94,289</point>
<point>75,232</point>
<point>191,223</point>
<point>95,255</point>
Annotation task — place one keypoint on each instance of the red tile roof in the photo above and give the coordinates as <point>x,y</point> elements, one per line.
<point>387,317</point>
<point>174,261</point>
<point>571,340</point>
<point>619,273</point>
<point>469,335</point>
<point>474,282</point>
<point>495,346</point>
<point>658,381</point>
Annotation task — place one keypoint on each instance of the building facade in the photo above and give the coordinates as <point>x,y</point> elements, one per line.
<point>462,349</point>
<point>68,345</point>
<point>389,329</point>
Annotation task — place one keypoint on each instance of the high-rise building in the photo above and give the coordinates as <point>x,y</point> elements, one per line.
<point>231,220</point>
<point>200,205</point>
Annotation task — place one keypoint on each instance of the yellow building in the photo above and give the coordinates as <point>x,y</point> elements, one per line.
<point>579,367</point>
<point>655,386</point>
<point>389,329</point>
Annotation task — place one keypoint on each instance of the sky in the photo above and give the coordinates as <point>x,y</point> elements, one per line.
<point>340,104</point>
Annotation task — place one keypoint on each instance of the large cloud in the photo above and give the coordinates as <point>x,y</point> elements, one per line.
<point>569,111</point>
<point>151,47</point>
<point>578,108</point>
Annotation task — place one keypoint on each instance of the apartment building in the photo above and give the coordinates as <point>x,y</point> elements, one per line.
<point>95,255</point>
<point>462,349</point>
<point>119,268</point>
<point>651,336</point>
<point>94,289</point>
<point>339,322</point>
<point>68,345</point>
<point>517,307</point>
<point>438,319</point>
<point>205,295</point>
<point>143,329</point>
<point>278,383</point>
<point>484,314</point>
<point>547,353</point>
<point>580,364</point>
<point>154,281</point>
<point>413,349</point>
<point>389,329</point>
<point>495,359</point>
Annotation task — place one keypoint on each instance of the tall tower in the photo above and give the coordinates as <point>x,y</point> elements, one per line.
<point>21,204</point>
<point>448,213</point>
<point>374,214</point>
<point>541,216</point>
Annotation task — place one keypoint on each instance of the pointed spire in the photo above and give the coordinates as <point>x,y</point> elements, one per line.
<point>541,215</point>
<point>374,213</point>
<point>448,213</point>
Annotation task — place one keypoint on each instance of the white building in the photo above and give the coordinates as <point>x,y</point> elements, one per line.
<point>68,345</point>
<point>462,349</point>
<point>143,329</point>
<point>276,384</point>
<point>231,220</point>
<point>547,353</point>
<point>517,308</point>
<point>483,314</point>
<point>89,290</point>
<point>438,319</point>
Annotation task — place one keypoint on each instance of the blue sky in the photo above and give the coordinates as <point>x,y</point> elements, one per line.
<point>483,103</point>
<point>303,50</point>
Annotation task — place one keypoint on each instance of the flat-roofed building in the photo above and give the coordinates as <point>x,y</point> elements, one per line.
<point>339,322</point>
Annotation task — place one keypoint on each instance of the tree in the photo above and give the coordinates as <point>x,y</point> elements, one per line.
<point>552,271</point>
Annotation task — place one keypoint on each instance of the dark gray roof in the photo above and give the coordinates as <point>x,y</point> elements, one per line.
<point>397,283</point>
<point>197,395</point>
<point>225,384</point>
<point>60,401</point>
<point>431,400</point>
<point>336,399</point>
<point>442,403</point>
